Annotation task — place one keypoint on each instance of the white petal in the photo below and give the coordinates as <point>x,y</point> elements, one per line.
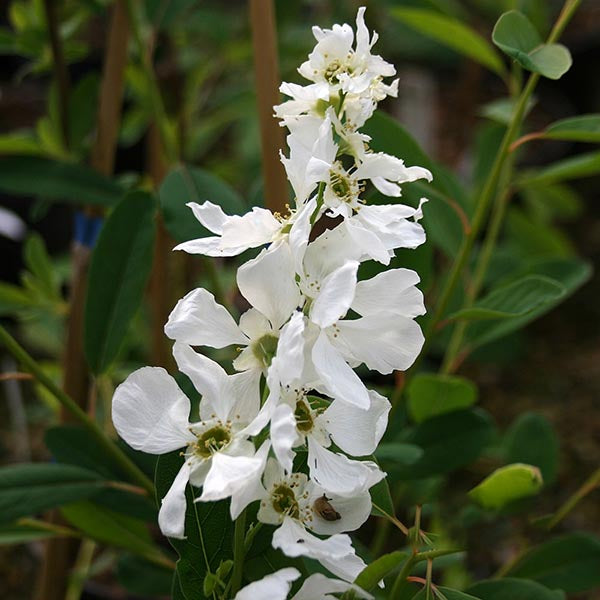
<point>151,413</point>
<point>171,516</point>
<point>300,232</point>
<point>288,362</point>
<point>254,324</point>
<point>337,376</point>
<point>198,320</point>
<point>391,292</point>
<point>208,377</point>
<point>284,435</point>
<point>253,229</point>
<point>368,242</point>
<point>357,431</point>
<point>208,246</point>
<point>347,567</point>
<point>210,215</point>
<point>337,473</point>
<point>294,540</point>
<point>230,474</point>
<point>272,587</point>
<point>317,587</point>
<point>268,283</point>
<point>384,343</point>
<point>254,489</point>
<point>335,296</point>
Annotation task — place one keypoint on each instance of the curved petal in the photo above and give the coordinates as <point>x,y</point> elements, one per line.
<point>353,511</point>
<point>288,362</point>
<point>268,282</point>
<point>171,516</point>
<point>317,587</point>
<point>284,435</point>
<point>230,474</point>
<point>293,540</point>
<point>254,489</point>
<point>368,242</point>
<point>384,343</point>
<point>335,296</point>
<point>210,215</point>
<point>347,567</point>
<point>390,292</point>
<point>151,413</point>
<point>337,376</point>
<point>337,473</point>
<point>253,229</point>
<point>274,587</point>
<point>358,431</point>
<point>208,246</point>
<point>198,320</point>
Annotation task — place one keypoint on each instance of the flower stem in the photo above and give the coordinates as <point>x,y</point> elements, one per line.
<point>111,449</point>
<point>490,188</point>
<point>239,551</point>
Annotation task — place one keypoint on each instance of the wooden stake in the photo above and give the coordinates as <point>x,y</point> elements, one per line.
<point>266,71</point>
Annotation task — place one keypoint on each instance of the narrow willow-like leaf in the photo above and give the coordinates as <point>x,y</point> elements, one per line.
<point>57,180</point>
<point>119,271</point>
<point>28,489</point>
<point>452,33</point>
<point>371,575</point>
<point>583,128</point>
<point>513,589</point>
<point>513,300</point>
<point>575,167</point>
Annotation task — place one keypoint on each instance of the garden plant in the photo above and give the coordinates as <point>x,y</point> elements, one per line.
<point>274,395</point>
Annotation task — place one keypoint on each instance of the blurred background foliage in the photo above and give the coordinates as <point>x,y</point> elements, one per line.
<point>535,388</point>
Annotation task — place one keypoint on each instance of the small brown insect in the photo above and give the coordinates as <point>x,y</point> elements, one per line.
<point>325,510</point>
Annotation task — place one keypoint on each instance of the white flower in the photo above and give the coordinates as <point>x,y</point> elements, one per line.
<point>297,504</point>
<point>235,234</point>
<point>350,70</point>
<point>276,586</point>
<point>268,283</point>
<point>151,414</point>
<point>300,419</point>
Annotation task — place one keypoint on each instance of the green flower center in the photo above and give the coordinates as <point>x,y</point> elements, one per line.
<point>264,349</point>
<point>333,71</point>
<point>211,441</point>
<point>341,186</point>
<point>304,420</point>
<point>284,501</point>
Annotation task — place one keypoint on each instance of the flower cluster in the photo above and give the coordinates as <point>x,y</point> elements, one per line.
<point>300,447</point>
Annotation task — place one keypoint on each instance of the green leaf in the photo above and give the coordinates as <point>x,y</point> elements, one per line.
<point>514,299</point>
<point>372,574</point>
<point>110,527</point>
<point>516,36</point>
<point>575,167</point>
<point>39,263</point>
<point>583,128</point>
<point>513,589</point>
<point>404,454</point>
<point>13,299</point>
<point>208,529</point>
<point>571,273</point>
<point>501,110</point>
<point>119,270</point>
<point>507,484</point>
<point>22,534</point>
<point>19,143</point>
<point>532,440</point>
<point>56,180</point>
<point>570,562</point>
<point>143,578</point>
<point>185,184</point>
<point>31,488</point>
<point>448,594</point>
<point>448,441</point>
<point>430,395</point>
<point>381,498</point>
<point>451,33</point>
